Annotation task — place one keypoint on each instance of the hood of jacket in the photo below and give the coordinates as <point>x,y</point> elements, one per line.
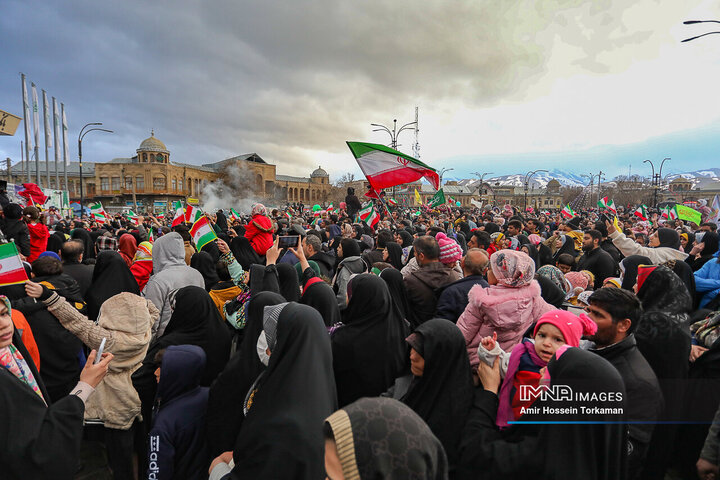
<point>498,294</point>
<point>131,318</point>
<point>324,258</point>
<point>434,275</point>
<point>181,370</point>
<point>168,251</point>
<point>353,264</point>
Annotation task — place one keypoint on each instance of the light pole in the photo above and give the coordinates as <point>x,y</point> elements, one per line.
<point>528,176</point>
<point>482,177</point>
<point>442,172</point>
<point>81,135</point>
<point>592,176</point>
<point>394,133</point>
<point>692,22</point>
<point>656,178</point>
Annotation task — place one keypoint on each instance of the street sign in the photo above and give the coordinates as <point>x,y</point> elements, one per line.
<point>8,123</point>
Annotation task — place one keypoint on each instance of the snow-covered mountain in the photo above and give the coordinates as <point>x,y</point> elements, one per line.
<point>567,179</point>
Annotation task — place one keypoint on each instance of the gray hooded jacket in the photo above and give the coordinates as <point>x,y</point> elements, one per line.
<point>170,274</point>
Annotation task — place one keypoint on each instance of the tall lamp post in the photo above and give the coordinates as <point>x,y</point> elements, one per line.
<point>482,181</point>
<point>81,135</point>
<point>656,178</point>
<point>528,176</point>
<point>692,22</point>
<point>394,133</point>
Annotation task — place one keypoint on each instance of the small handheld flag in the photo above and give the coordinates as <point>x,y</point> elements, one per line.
<point>202,232</point>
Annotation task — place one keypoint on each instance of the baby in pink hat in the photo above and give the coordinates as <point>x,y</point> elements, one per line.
<point>527,363</point>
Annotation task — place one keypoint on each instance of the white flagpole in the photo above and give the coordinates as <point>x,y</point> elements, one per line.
<point>46,115</point>
<point>26,119</point>
<point>36,128</point>
<point>56,124</point>
<point>66,153</point>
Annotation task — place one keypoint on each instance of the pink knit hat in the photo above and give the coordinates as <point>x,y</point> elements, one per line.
<point>535,239</point>
<point>577,279</point>
<point>572,326</point>
<point>450,251</point>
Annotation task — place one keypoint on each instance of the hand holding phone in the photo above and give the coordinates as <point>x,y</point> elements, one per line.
<point>289,241</point>
<point>98,357</point>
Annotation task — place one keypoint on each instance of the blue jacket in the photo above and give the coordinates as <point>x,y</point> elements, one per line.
<point>454,297</point>
<point>177,439</point>
<point>707,280</point>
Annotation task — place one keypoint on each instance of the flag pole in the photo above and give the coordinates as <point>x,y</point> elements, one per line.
<point>65,149</point>
<point>36,133</point>
<point>26,119</point>
<point>47,138</point>
<point>57,145</point>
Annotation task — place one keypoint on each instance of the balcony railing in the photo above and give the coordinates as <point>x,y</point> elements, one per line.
<point>140,191</point>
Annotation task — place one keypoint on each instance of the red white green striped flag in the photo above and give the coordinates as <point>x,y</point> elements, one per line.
<point>98,213</point>
<point>641,212</point>
<point>234,215</point>
<point>607,204</point>
<point>192,213</point>
<point>151,235</point>
<point>369,215</point>
<point>202,232</point>
<point>11,267</point>
<point>568,212</point>
<point>179,214</point>
<point>385,167</point>
<point>330,209</point>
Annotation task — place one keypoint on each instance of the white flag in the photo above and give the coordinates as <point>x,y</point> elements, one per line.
<point>36,118</point>
<point>66,153</point>
<point>46,112</point>
<point>714,216</point>
<point>476,203</point>
<point>26,114</point>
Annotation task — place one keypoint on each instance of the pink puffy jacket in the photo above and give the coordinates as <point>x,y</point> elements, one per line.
<point>505,310</point>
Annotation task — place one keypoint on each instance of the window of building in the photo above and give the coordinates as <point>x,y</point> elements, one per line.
<point>104,183</point>
<point>180,184</point>
<point>128,183</point>
<point>115,183</point>
<point>140,183</point>
<point>159,183</point>
<point>174,184</point>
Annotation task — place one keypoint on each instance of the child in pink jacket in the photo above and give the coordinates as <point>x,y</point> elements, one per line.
<point>509,306</point>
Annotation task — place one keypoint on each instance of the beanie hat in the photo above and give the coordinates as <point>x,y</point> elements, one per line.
<point>577,279</point>
<point>12,211</point>
<point>535,239</point>
<point>574,223</point>
<point>571,326</point>
<point>450,251</point>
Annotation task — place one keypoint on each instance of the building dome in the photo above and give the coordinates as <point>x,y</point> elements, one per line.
<point>152,144</point>
<point>319,173</point>
<point>553,183</point>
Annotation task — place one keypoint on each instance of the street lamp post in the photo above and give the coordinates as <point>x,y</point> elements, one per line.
<point>692,22</point>
<point>656,178</point>
<point>81,135</point>
<point>528,176</point>
<point>393,135</point>
<point>482,181</point>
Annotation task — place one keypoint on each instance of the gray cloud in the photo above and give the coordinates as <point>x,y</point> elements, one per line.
<point>283,79</point>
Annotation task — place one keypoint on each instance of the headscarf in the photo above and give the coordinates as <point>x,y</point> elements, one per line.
<point>263,279</point>
<point>50,254</point>
<point>196,321</point>
<point>668,238</point>
<point>444,394</point>
<point>512,268</point>
<point>288,282</point>
<point>203,263</point>
<point>396,286</point>
<point>532,252</point>
<point>213,250</point>
<point>111,276</point>
<point>629,267</point>
<point>350,248</point>
<point>578,280</point>
<point>282,434</point>
<point>369,350</point>
<point>321,297</point>
<point>84,235</point>
<point>221,221</point>
<point>143,252</point>
<point>55,241</point>
<point>659,288</point>
<point>395,255</point>
<point>13,361</point>
<point>224,418</point>
<point>243,252</point>
<point>383,438</point>
<point>568,246</point>
<point>258,209</point>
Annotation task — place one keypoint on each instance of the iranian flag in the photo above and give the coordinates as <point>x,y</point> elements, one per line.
<point>98,213</point>
<point>567,212</point>
<point>385,167</point>
<point>234,215</point>
<point>330,209</point>
<point>179,214</point>
<point>606,204</point>
<point>161,216</point>
<point>369,215</point>
<point>392,202</point>
<point>133,217</point>
<point>151,235</point>
<point>641,212</point>
<point>202,232</point>
<point>11,267</point>
<point>192,213</point>
<point>669,213</point>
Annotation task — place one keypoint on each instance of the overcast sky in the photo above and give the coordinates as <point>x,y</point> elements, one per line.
<point>501,86</point>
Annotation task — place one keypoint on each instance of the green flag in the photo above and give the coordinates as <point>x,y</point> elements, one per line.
<point>687,213</point>
<point>437,199</point>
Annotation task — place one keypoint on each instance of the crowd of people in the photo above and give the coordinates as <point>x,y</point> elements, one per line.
<point>405,349</point>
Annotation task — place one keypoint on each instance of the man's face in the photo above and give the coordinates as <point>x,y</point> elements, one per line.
<point>512,230</point>
<point>705,228</point>
<point>588,242</point>
<point>530,225</point>
<point>472,243</point>
<point>607,331</point>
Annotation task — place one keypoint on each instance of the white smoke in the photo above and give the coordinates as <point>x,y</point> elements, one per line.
<point>236,188</point>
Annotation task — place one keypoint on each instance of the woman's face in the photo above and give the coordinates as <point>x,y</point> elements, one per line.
<point>417,363</point>
<point>385,254</point>
<point>6,326</point>
<point>654,240</point>
<point>683,242</point>
<point>339,251</point>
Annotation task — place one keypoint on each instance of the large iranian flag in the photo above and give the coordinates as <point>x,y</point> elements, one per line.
<point>202,233</point>
<point>568,212</point>
<point>369,215</point>
<point>98,213</point>
<point>11,267</point>
<point>179,214</point>
<point>385,167</point>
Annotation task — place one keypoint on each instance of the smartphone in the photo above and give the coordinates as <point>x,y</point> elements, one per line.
<point>289,241</point>
<point>98,357</point>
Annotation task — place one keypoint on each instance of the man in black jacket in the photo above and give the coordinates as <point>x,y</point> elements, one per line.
<point>607,244</point>
<point>71,253</point>
<point>312,246</point>
<point>352,204</point>
<point>596,260</point>
<point>16,230</point>
<point>616,313</point>
<point>454,297</point>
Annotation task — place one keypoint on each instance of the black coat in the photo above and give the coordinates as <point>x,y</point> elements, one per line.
<point>82,274</point>
<point>37,441</point>
<point>17,231</point>
<point>454,297</point>
<point>353,205</point>
<point>326,264</point>
<point>599,263</point>
<point>422,286</point>
<point>610,248</point>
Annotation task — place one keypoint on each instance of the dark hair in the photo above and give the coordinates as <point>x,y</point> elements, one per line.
<point>32,212</point>
<point>428,246</point>
<point>619,303</point>
<point>432,231</point>
<point>595,234</point>
<point>157,359</point>
<point>566,259</point>
<point>712,226</point>
<point>13,211</point>
<point>45,266</point>
<point>515,223</point>
<point>602,228</point>
<point>71,250</point>
<point>350,247</point>
<point>384,236</point>
<point>184,234</point>
<point>222,270</point>
<point>483,238</point>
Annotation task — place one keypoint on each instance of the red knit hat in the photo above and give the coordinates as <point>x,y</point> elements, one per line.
<point>450,251</point>
<point>571,326</point>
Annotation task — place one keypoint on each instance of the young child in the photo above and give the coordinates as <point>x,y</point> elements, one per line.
<point>527,363</point>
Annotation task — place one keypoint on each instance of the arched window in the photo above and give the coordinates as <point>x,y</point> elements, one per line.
<point>302,194</point>
<point>174,184</point>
